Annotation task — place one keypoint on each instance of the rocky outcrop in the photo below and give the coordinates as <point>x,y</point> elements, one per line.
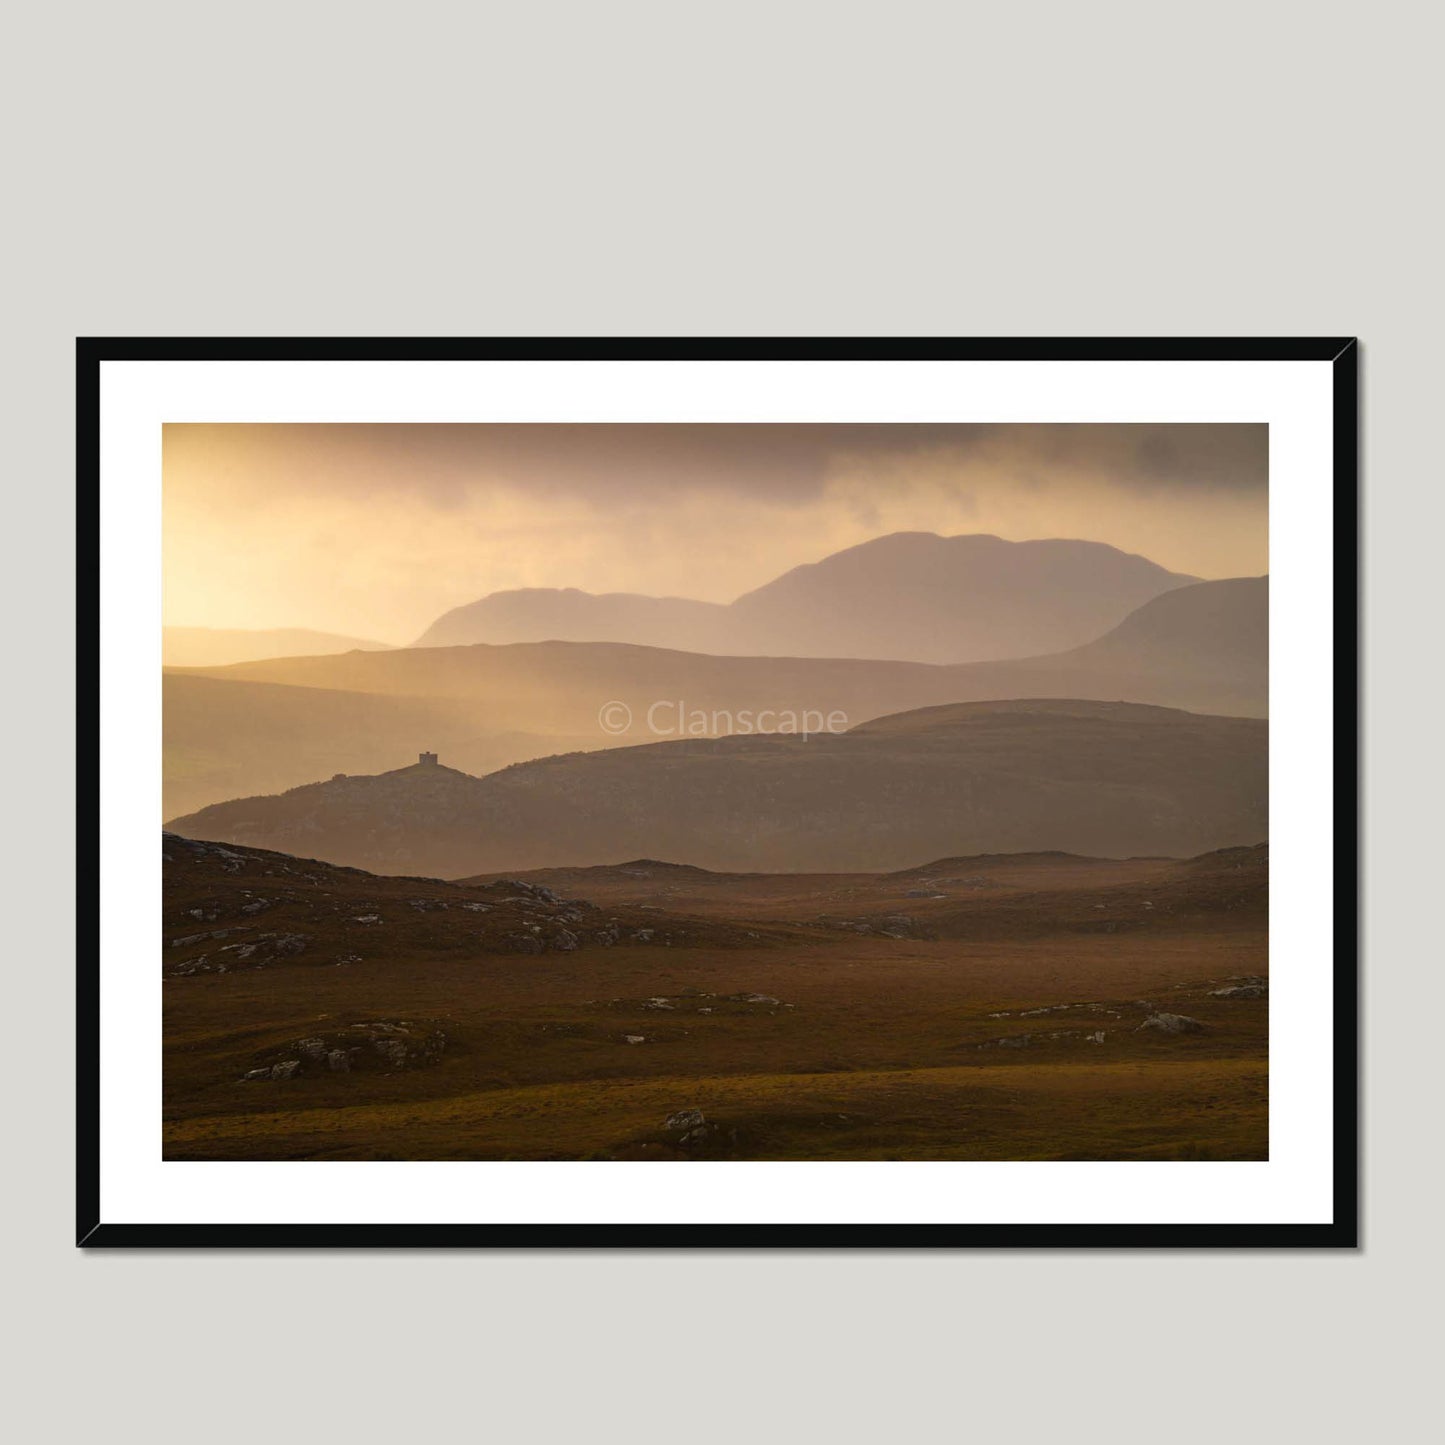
<point>256,951</point>
<point>1167,1023</point>
<point>1252,988</point>
<point>378,1045</point>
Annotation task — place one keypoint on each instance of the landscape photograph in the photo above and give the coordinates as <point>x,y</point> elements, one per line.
<point>715,792</point>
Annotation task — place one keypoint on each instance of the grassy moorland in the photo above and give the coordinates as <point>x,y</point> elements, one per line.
<point>980,1008</point>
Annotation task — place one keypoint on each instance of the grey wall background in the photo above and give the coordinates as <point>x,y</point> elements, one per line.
<point>750,169</point>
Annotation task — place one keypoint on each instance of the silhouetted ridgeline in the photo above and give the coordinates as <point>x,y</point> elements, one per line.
<point>265,726</point>
<point>1109,779</point>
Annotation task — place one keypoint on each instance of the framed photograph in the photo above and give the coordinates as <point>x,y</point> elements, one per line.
<point>778,792</point>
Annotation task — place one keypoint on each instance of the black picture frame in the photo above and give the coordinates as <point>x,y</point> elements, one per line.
<point>1342,1232</point>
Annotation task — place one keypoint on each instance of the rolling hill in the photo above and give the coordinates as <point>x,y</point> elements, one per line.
<point>986,895</point>
<point>266,726</point>
<point>911,596</point>
<point>1204,648</point>
<point>1112,779</point>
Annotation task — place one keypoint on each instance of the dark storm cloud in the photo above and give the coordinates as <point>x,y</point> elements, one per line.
<point>442,464</point>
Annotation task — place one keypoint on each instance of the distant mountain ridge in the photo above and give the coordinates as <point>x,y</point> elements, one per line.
<point>1204,648</point>
<point>220,646</point>
<point>909,596</point>
<point>1105,779</point>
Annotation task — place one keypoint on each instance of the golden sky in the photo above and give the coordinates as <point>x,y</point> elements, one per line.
<point>374,531</point>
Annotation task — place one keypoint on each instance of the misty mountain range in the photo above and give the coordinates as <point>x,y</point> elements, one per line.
<point>911,596</point>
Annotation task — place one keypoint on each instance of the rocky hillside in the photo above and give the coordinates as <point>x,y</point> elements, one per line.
<point>226,909</point>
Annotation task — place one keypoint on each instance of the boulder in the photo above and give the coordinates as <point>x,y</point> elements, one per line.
<point>1165,1023</point>
<point>685,1119</point>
